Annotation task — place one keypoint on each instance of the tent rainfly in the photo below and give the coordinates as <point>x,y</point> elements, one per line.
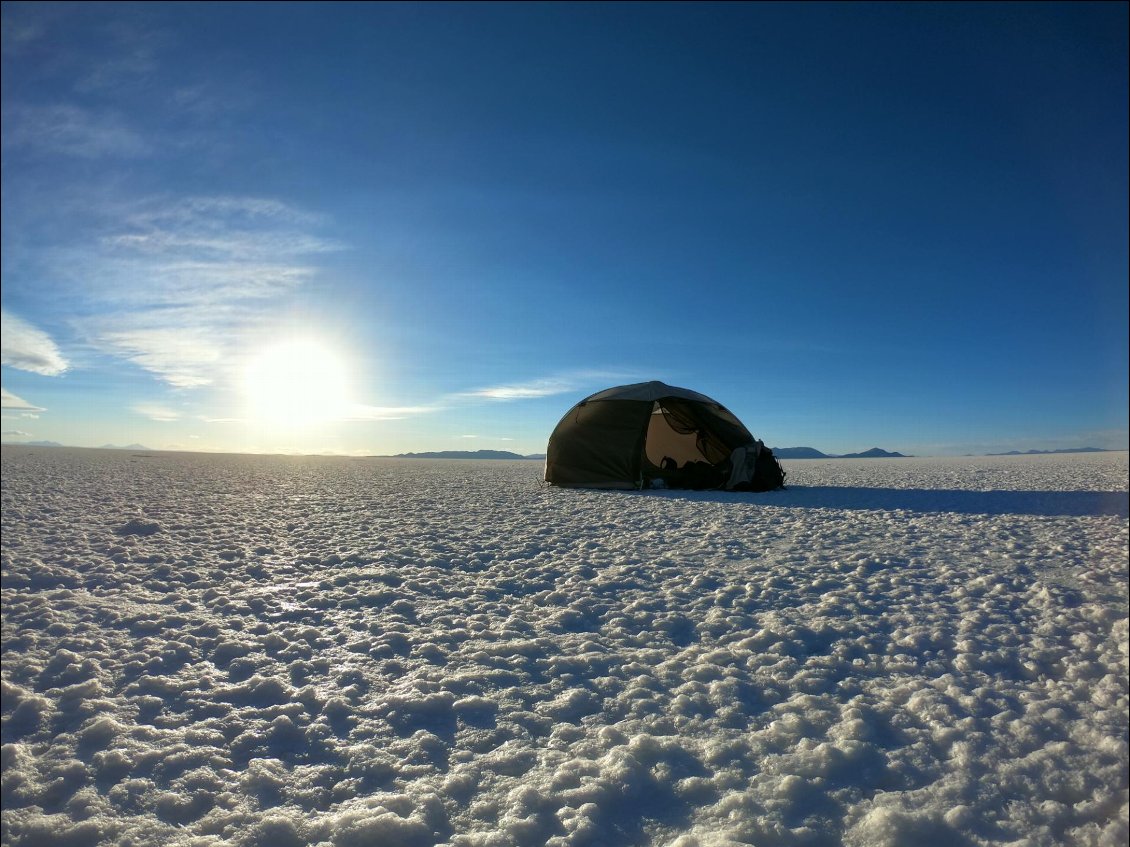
<point>652,435</point>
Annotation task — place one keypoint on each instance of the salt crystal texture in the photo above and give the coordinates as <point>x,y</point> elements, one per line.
<point>336,651</point>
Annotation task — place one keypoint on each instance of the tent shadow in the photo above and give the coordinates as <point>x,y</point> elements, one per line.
<point>1038,503</point>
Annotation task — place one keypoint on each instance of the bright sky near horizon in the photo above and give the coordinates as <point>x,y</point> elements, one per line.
<point>379,228</point>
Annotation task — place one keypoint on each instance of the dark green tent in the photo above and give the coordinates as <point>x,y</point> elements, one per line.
<point>654,435</point>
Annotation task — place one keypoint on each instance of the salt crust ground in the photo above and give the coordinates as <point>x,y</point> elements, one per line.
<point>206,650</point>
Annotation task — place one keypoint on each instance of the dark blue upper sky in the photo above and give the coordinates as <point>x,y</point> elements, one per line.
<point>854,224</point>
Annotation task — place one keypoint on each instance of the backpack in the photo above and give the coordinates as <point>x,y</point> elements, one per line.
<point>766,475</point>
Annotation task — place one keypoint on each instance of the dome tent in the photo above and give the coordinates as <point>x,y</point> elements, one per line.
<point>654,435</point>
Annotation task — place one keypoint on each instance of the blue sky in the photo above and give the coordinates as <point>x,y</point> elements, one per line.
<point>392,227</point>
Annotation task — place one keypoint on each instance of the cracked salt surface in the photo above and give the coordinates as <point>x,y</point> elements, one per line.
<point>214,650</point>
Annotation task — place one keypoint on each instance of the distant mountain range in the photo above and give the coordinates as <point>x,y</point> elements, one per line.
<point>779,452</point>
<point>813,453</point>
<point>466,454</point>
<point>877,453</point>
<point>103,447</point>
<point>1050,452</point>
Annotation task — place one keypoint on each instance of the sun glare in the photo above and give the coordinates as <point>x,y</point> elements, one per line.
<point>295,385</point>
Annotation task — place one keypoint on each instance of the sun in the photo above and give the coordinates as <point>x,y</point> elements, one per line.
<point>295,385</point>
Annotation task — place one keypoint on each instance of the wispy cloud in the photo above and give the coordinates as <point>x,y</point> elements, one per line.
<point>119,52</point>
<point>16,433</point>
<point>129,60</point>
<point>361,412</point>
<point>70,130</point>
<point>204,211</point>
<point>180,284</point>
<point>17,33</point>
<point>10,401</point>
<point>173,285</point>
<point>184,356</point>
<point>547,386</point>
<point>157,412</point>
<point>523,391</point>
<point>25,347</point>
<point>352,413</point>
<point>98,80</point>
<point>198,232</point>
<point>209,251</point>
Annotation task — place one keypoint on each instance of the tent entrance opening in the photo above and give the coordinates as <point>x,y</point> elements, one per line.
<point>669,439</point>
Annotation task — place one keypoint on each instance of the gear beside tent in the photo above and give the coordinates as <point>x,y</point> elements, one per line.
<point>652,435</point>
